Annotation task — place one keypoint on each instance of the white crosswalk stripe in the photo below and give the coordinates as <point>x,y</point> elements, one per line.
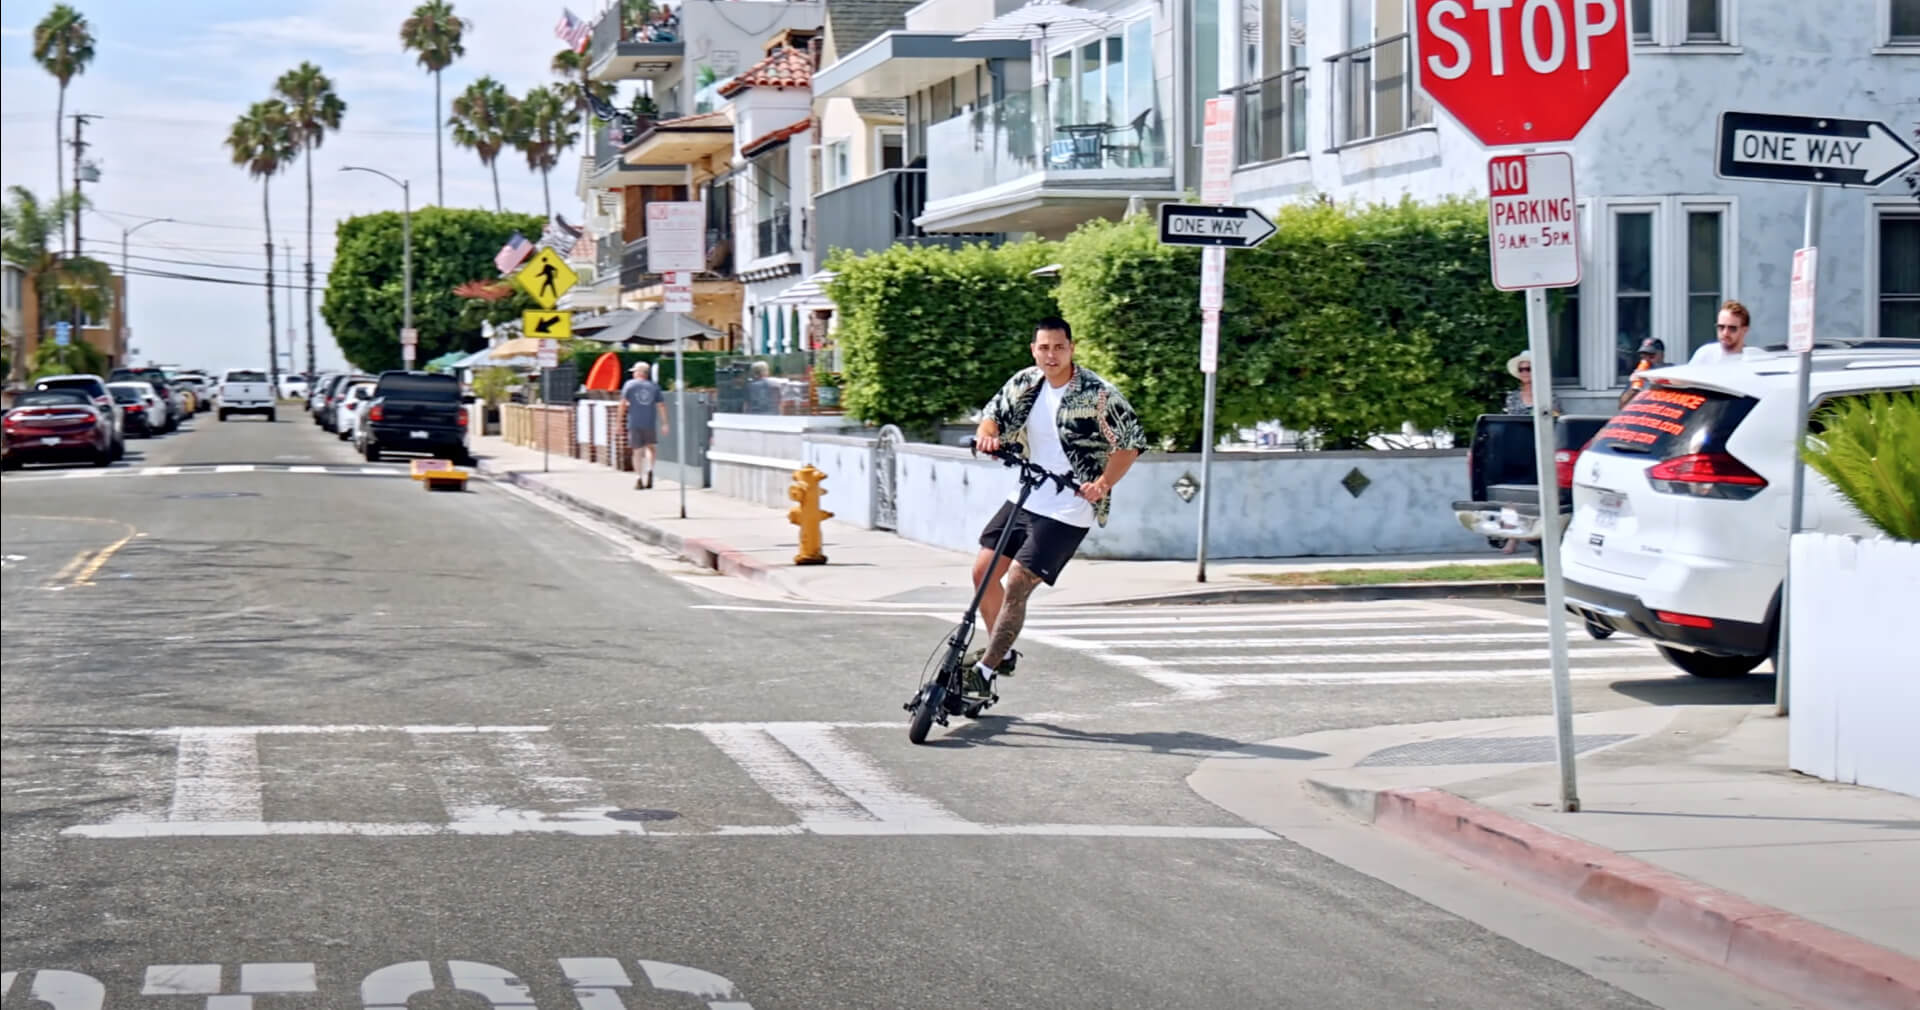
<point>1199,653</point>
<point>502,780</point>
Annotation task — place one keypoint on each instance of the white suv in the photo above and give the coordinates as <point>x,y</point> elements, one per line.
<point>1681,504</point>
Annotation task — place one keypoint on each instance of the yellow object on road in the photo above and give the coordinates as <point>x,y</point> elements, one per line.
<point>445,480</point>
<point>808,515</point>
<point>422,467</point>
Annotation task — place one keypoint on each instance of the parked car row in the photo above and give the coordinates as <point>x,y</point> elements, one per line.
<point>85,418</point>
<point>396,411</point>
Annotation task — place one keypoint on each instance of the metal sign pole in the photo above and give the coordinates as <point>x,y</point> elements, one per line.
<point>1206,476</point>
<point>680,412</point>
<point>1803,382</point>
<point>1549,489</point>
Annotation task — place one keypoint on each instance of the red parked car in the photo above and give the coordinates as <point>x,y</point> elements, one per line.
<point>55,425</point>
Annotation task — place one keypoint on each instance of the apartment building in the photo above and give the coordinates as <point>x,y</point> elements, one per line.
<point>1032,131</point>
<point>1327,105</point>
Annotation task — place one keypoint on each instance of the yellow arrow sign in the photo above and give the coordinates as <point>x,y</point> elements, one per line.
<point>546,325</point>
<point>546,277</point>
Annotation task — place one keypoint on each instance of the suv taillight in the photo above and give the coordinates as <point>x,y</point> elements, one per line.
<point>1563,460</point>
<point>463,418</point>
<point>375,414</point>
<point>1706,475</point>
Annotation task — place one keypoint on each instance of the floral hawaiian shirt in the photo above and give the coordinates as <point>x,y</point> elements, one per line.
<point>1095,421</point>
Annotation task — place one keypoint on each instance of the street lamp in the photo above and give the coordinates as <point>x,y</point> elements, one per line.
<point>406,264</point>
<point>126,280</point>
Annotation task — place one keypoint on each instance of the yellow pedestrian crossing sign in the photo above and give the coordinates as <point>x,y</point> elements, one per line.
<point>547,325</point>
<point>546,277</point>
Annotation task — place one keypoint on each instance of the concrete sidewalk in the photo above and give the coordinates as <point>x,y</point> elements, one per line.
<point>751,541</point>
<point>1691,834</point>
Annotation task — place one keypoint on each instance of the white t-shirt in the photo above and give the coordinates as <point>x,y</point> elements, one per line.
<point>1043,447</point>
<point>1713,354</point>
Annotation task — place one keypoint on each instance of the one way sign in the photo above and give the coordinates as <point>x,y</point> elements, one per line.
<point>1207,225</point>
<point>1814,150</point>
<point>549,325</point>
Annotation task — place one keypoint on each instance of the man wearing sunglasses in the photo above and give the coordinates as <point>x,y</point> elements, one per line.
<point>1731,329</point>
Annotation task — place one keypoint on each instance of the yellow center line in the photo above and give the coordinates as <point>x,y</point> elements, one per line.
<point>85,578</point>
<point>85,574</point>
<point>70,567</point>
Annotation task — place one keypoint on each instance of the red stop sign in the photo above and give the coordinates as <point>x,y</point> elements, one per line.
<point>1521,71</point>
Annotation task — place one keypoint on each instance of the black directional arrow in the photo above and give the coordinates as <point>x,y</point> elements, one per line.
<point>546,325</point>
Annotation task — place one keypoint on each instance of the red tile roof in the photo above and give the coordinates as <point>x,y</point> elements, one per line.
<point>762,143</point>
<point>784,68</point>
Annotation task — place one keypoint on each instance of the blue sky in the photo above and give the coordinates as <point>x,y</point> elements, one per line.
<point>170,79</point>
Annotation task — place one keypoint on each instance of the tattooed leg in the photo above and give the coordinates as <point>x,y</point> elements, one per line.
<point>1013,613</point>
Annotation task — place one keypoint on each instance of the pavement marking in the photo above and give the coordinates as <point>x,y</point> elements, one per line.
<point>781,774</point>
<point>860,778</point>
<point>1348,659</point>
<point>551,768</point>
<point>190,469</point>
<point>73,565</point>
<point>234,468</point>
<point>85,577</point>
<point>181,980</point>
<point>156,471</point>
<point>320,730</point>
<point>1306,642</point>
<point>217,778</point>
<point>603,828</point>
<point>306,469</point>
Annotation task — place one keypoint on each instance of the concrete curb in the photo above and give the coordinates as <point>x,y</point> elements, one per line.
<point>1321,594</point>
<point>705,553</point>
<point>1764,945</point>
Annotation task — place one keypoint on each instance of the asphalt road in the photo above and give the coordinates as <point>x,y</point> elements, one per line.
<point>275,722</point>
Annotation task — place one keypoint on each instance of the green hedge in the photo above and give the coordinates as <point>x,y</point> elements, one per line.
<point>929,333</point>
<point>1348,322</point>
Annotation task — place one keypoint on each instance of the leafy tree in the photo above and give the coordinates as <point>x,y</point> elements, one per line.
<point>314,110</point>
<point>63,46</point>
<point>930,333</point>
<point>263,140</point>
<point>364,294</point>
<point>483,120</point>
<point>493,383</point>
<point>571,67</point>
<point>27,232</point>
<point>76,357</point>
<point>542,130</point>
<point>434,33</point>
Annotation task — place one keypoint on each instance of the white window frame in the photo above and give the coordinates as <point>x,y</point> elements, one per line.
<point>1070,46</point>
<point>830,175</point>
<point>1670,29</point>
<point>1886,45</point>
<point>877,153</point>
<point>1599,316</point>
<point>1879,208</point>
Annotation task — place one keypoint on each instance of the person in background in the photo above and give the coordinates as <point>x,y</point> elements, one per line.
<point>1520,401</point>
<point>1731,329</point>
<point>763,397</point>
<point>646,421</point>
<point>1653,354</point>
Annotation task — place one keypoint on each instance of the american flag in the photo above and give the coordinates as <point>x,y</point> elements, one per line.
<point>558,238</point>
<point>573,31</point>
<point>510,255</point>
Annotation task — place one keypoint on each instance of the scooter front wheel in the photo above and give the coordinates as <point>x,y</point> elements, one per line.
<point>931,698</point>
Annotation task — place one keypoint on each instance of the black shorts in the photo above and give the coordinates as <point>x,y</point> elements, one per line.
<point>1043,546</point>
<point>640,438</point>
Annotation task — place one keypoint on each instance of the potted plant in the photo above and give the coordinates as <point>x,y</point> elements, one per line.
<point>827,388</point>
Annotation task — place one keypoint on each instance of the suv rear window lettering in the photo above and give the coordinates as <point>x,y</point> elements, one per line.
<point>246,376</point>
<point>1664,422</point>
<point>430,388</point>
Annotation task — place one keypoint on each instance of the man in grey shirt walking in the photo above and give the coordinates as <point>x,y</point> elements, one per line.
<point>646,421</point>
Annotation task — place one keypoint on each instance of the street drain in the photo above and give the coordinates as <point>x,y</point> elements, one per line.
<point>218,494</point>
<point>642,814</point>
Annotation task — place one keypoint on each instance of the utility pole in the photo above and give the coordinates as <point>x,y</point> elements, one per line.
<point>293,332</point>
<point>80,121</point>
<point>126,281</point>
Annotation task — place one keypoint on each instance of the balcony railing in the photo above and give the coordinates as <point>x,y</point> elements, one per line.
<point>774,235</point>
<point>1011,139</point>
<point>877,212</point>
<point>1272,117</point>
<point>653,47</point>
<point>633,266</point>
<point>606,260</point>
<point>1373,93</point>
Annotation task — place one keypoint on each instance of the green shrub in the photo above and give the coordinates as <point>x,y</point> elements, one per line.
<point>699,365</point>
<point>1348,322</point>
<point>929,333</point>
<point>1869,447</point>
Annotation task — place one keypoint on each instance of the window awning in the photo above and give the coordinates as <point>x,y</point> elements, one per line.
<point>901,62</point>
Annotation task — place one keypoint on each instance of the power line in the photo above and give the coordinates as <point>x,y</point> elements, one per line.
<point>318,267</point>
<point>173,276</point>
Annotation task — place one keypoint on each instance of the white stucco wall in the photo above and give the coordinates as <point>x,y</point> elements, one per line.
<point>1264,504</point>
<point>1653,141</point>
<point>848,463</point>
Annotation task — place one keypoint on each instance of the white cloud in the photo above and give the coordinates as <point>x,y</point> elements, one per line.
<point>168,96</point>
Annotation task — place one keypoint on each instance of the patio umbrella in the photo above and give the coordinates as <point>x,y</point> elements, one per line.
<point>1033,22</point>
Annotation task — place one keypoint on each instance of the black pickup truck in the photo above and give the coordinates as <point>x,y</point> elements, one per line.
<point>417,412</point>
<point>1505,502</point>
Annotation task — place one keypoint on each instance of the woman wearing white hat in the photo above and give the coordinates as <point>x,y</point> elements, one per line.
<point>1520,401</point>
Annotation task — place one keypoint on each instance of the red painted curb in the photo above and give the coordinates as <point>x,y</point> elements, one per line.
<point>728,561</point>
<point>1784,952</point>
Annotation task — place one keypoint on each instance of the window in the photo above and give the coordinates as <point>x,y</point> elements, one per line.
<point>1676,23</point>
<point>1272,112</point>
<point>1897,284</point>
<point>1705,280</point>
<point>1375,76</point>
<point>837,163</point>
<point>1106,80</point>
<point>772,203</point>
<point>1207,76</point>
<point>1632,286</point>
<point>1901,19</point>
<point>892,144</point>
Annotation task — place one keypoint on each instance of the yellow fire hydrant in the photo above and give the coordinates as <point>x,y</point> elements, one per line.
<point>808,515</point>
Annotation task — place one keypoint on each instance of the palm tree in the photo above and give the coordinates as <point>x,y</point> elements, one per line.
<point>571,67</point>
<point>483,119</point>
<point>314,109</point>
<point>542,129</point>
<point>264,140</point>
<point>63,44</point>
<point>434,32</point>
<point>27,231</point>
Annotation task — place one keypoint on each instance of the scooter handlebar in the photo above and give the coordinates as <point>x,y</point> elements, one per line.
<point>1031,473</point>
